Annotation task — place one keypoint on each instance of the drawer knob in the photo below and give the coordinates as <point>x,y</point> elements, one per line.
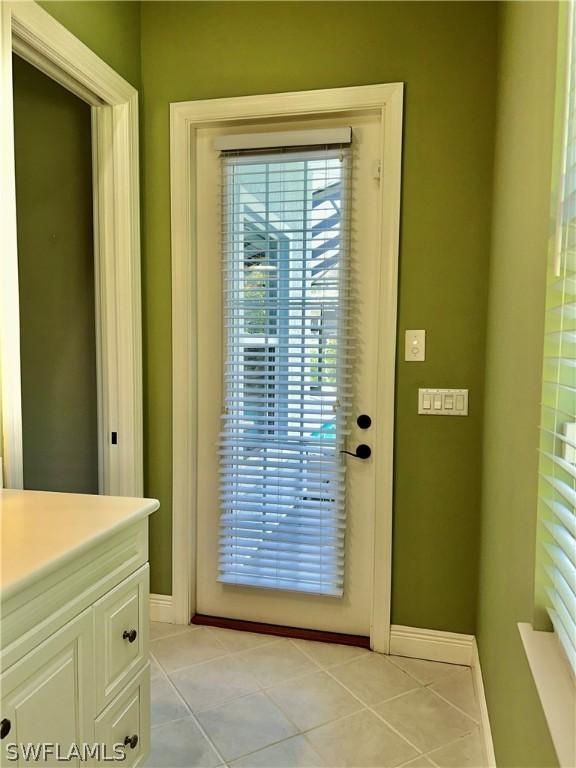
<point>131,741</point>
<point>130,635</point>
<point>5,726</point>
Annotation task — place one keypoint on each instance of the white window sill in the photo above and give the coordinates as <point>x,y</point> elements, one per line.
<point>556,689</point>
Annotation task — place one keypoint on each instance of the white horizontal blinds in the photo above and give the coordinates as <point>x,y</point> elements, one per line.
<point>287,369</point>
<point>558,434</point>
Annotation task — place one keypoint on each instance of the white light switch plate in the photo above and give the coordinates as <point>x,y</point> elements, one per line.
<point>415,346</point>
<point>443,402</point>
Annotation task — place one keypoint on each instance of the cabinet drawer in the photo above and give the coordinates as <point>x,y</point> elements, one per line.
<point>121,635</point>
<point>127,721</point>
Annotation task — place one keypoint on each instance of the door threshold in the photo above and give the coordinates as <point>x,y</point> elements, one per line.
<point>278,630</point>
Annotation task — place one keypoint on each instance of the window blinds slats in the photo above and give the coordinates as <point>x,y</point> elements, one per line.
<point>287,369</point>
<point>557,486</point>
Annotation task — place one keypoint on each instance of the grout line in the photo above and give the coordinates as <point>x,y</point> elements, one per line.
<point>225,655</point>
<point>421,686</point>
<point>430,754</point>
<point>454,706</point>
<point>193,716</point>
<point>317,668</point>
<point>457,667</point>
<point>369,708</point>
<point>185,629</point>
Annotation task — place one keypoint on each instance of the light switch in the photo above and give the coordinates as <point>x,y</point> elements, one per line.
<point>443,402</point>
<point>415,346</point>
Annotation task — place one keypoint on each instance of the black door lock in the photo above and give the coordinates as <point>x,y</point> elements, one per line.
<point>364,421</point>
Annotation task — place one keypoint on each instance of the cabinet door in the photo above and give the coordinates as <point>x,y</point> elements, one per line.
<point>48,695</point>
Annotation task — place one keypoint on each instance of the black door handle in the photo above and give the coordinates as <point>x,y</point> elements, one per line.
<point>363,451</point>
<point>5,726</point>
<point>131,741</point>
<point>130,635</point>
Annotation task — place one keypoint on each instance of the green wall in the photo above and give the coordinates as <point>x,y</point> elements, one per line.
<point>56,281</point>
<point>446,55</point>
<point>513,375</point>
<point>111,28</point>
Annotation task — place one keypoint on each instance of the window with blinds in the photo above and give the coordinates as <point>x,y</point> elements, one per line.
<point>557,483</point>
<point>287,366</point>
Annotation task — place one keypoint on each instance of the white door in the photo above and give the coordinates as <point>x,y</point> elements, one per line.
<point>317,577</point>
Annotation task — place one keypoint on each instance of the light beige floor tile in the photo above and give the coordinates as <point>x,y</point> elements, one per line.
<point>214,682</point>
<point>464,753</point>
<point>360,740</point>
<point>185,649</point>
<point>291,753</point>
<point>181,745</point>
<point>458,688</point>
<point>160,629</point>
<point>246,725</point>
<point>425,719</point>
<point>420,762</point>
<point>166,705</point>
<point>235,641</point>
<point>330,654</point>
<point>373,678</point>
<point>155,669</point>
<point>314,699</point>
<point>275,662</point>
<point>425,672</point>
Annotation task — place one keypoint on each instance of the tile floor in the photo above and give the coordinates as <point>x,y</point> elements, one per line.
<point>226,698</point>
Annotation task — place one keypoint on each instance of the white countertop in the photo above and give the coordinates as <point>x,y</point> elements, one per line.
<point>40,531</point>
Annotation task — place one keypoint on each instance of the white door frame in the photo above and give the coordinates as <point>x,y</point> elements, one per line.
<point>185,119</point>
<point>33,34</point>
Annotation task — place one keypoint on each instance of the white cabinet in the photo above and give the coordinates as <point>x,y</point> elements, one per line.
<point>127,721</point>
<point>48,695</point>
<point>74,670</point>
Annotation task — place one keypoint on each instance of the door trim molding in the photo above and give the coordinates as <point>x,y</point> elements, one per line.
<point>35,36</point>
<point>185,119</point>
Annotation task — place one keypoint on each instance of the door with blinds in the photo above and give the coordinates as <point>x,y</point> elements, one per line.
<point>287,343</point>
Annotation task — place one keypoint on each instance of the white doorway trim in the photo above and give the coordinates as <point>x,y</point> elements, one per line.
<point>35,36</point>
<point>185,119</point>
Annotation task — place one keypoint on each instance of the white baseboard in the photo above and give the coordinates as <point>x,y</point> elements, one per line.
<point>484,719</point>
<point>431,644</point>
<point>161,608</point>
<point>451,648</point>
